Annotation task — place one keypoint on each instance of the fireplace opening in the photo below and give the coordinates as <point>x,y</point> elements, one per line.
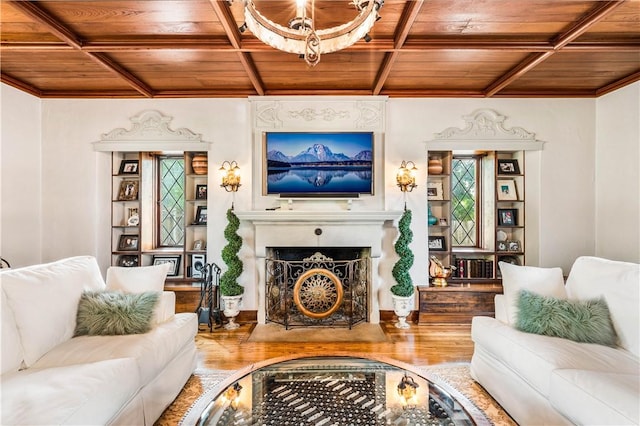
<point>317,286</point>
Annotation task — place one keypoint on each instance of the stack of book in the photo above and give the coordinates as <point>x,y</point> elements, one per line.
<point>472,268</point>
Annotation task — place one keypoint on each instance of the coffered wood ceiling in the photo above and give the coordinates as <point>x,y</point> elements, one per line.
<point>419,48</point>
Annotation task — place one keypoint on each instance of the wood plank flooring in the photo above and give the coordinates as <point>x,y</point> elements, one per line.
<point>420,345</point>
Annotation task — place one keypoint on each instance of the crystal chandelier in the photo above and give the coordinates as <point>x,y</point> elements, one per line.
<point>303,38</point>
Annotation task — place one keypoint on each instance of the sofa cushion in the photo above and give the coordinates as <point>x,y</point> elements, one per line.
<point>44,299</point>
<point>110,313</point>
<point>11,347</point>
<point>543,281</point>
<point>596,398</point>
<point>534,357</point>
<point>619,284</point>
<point>152,350</point>
<point>137,280</point>
<point>578,320</point>
<point>87,394</point>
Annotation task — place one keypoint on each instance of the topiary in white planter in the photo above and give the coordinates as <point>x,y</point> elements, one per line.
<point>403,291</point>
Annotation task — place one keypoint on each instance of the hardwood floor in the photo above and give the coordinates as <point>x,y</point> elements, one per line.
<point>420,345</point>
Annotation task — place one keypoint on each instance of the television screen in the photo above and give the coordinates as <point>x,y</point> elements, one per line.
<point>318,164</point>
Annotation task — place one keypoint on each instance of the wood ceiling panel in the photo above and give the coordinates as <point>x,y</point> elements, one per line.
<point>186,70</point>
<point>60,71</point>
<point>622,24</point>
<point>15,26</point>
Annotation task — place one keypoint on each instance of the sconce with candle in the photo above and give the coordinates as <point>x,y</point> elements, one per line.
<point>230,176</point>
<point>406,176</point>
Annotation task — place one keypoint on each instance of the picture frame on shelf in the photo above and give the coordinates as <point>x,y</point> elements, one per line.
<point>502,246</point>
<point>128,242</point>
<point>128,190</point>
<point>198,245</point>
<point>508,166</point>
<point>435,191</point>
<point>507,217</point>
<point>201,192</point>
<point>133,216</point>
<point>514,246</point>
<point>201,216</point>
<point>437,243</point>
<point>128,261</point>
<point>129,167</point>
<point>172,259</point>
<point>507,190</point>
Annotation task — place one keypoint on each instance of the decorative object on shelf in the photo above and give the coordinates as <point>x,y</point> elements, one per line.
<point>198,245</point>
<point>443,221</point>
<point>435,166</point>
<point>229,288</point>
<point>172,259</point>
<point>198,262</point>
<point>230,176</point>
<point>507,217</point>
<point>406,176</point>
<point>501,235</point>
<point>403,292</point>
<point>502,246</point>
<point>133,218</point>
<point>435,191</point>
<point>506,190</point>
<point>129,167</point>
<point>432,220</point>
<point>438,272</point>
<point>128,261</point>
<point>508,166</point>
<point>200,164</point>
<point>408,390</point>
<point>128,242</point>
<point>301,36</point>
<point>128,190</point>
<point>201,216</point>
<point>437,243</point>
<point>201,192</point>
<point>514,246</point>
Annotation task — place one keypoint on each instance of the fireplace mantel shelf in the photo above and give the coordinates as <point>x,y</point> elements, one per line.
<point>347,217</point>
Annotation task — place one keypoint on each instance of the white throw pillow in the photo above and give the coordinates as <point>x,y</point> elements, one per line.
<point>542,281</point>
<point>138,279</point>
<point>11,354</point>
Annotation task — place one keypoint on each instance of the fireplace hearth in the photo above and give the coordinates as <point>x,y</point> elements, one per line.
<point>318,286</point>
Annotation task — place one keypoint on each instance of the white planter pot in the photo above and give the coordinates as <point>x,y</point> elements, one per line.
<point>402,306</point>
<point>231,309</point>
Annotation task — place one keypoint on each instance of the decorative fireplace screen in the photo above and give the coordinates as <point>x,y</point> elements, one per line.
<point>317,291</point>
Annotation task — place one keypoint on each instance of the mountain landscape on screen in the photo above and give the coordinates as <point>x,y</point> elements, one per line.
<point>316,153</point>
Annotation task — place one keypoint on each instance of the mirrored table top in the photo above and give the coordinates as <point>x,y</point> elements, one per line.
<point>334,390</point>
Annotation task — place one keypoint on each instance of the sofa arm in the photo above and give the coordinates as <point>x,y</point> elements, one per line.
<point>166,308</point>
<point>501,308</point>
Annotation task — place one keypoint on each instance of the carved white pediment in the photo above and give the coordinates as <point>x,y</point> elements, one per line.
<point>485,130</point>
<point>150,131</point>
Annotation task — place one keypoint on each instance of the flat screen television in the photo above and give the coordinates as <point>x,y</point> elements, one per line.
<point>318,164</point>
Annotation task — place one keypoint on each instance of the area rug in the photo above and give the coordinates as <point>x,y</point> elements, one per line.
<point>363,332</point>
<point>192,400</point>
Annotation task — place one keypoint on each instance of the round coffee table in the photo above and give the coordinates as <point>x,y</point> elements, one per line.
<point>336,389</point>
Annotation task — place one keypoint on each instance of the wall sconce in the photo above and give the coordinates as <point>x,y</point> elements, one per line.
<point>406,176</point>
<point>407,389</point>
<point>232,394</point>
<point>230,176</point>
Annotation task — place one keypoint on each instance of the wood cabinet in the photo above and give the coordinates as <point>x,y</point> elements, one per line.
<point>456,303</point>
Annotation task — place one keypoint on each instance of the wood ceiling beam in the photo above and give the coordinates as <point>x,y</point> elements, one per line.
<point>20,85</point>
<point>598,13</point>
<point>222,9</point>
<point>408,17</point>
<point>618,84</point>
<point>57,28</point>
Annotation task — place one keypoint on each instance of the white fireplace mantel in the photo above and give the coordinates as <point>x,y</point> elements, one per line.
<point>319,217</point>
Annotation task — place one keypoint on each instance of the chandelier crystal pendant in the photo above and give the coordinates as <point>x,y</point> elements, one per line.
<point>301,36</point>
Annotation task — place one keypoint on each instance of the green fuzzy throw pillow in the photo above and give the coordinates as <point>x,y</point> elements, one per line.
<point>115,313</point>
<point>585,321</point>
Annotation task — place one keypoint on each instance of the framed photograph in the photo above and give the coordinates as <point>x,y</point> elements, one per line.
<point>133,219</point>
<point>173,259</point>
<point>514,245</point>
<point>434,191</point>
<point>128,261</point>
<point>128,190</point>
<point>201,192</point>
<point>507,190</point>
<point>129,167</point>
<point>198,245</point>
<point>442,221</point>
<point>503,246</point>
<point>201,216</point>
<point>508,167</point>
<point>437,243</point>
<point>128,242</point>
<point>507,217</point>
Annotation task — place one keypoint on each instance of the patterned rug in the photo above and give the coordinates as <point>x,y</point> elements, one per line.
<point>455,375</point>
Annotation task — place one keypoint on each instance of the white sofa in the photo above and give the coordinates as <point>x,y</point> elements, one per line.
<point>50,377</point>
<point>542,380</point>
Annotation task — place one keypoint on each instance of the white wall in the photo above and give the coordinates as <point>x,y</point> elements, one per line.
<point>20,178</point>
<point>73,184</point>
<point>617,175</point>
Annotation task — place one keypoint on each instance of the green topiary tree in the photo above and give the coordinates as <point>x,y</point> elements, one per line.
<point>229,281</point>
<point>400,271</point>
